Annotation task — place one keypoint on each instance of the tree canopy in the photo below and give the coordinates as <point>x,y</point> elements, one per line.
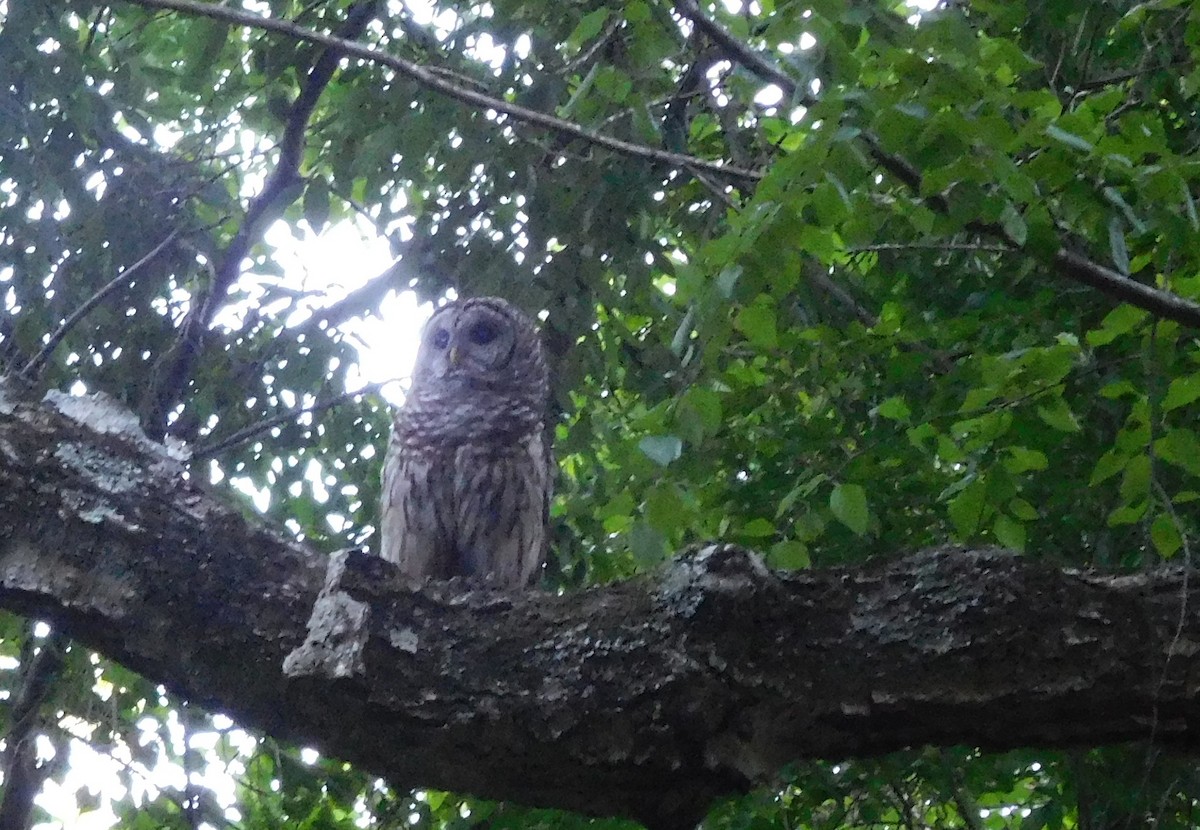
<point>834,281</point>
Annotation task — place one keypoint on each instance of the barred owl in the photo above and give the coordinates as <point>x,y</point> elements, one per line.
<point>467,476</point>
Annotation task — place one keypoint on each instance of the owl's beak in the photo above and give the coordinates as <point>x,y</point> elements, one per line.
<point>454,356</point>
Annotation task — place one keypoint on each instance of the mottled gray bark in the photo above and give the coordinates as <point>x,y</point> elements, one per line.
<point>646,699</point>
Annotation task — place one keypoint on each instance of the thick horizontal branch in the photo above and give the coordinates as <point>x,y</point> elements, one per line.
<point>648,698</point>
<point>430,78</point>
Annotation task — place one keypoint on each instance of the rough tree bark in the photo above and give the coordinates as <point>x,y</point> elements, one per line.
<point>646,699</point>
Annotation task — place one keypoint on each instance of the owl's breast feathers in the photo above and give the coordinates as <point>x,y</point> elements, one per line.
<point>467,491</point>
<point>430,423</point>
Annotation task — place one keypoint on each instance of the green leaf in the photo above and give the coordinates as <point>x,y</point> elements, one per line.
<point>1121,320</point>
<point>704,405</point>
<point>1022,460</point>
<point>894,409</point>
<point>1127,514</point>
<point>637,12</point>
<point>1165,535</point>
<point>1014,224</point>
<point>1111,463</point>
<point>589,26</point>
<point>1114,196</point>
<point>967,509</point>
<point>648,545</point>
<point>1023,510</point>
<point>727,280</point>
<point>918,435</point>
<point>1182,392</point>
<point>1010,533</point>
<point>1181,448</point>
<point>791,555</point>
<point>758,528</point>
<point>1116,245</point>
<point>613,84</point>
<point>661,449</point>
<point>757,322</point>
<point>664,508</point>
<point>848,502</point>
<point>1135,484</point>
<point>1059,415</point>
<point>1118,389</point>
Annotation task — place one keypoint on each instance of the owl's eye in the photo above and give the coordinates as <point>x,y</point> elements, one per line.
<point>482,333</point>
<point>441,339</point>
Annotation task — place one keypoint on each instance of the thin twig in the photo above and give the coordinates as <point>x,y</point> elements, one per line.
<point>246,433</point>
<point>191,796</point>
<point>973,247</point>
<point>816,275</point>
<point>108,750</point>
<point>585,56</point>
<point>714,189</point>
<point>1142,70</point>
<point>34,367</point>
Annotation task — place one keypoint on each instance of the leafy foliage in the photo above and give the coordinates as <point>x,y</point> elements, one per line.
<point>837,358</point>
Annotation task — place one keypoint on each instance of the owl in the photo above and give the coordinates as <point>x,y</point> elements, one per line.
<point>468,470</point>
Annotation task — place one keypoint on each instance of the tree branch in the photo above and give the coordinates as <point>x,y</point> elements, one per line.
<point>280,189</point>
<point>34,367</point>
<point>648,698</point>
<point>432,79</point>
<point>23,778</point>
<point>246,433</point>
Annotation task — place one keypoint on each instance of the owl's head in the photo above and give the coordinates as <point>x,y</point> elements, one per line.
<point>480,343</point>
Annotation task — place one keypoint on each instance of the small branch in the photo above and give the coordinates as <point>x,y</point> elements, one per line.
<point>287,170</point>
<point>971,247</point>
<point>22,776</point>
<point>34,367</point>
<point>1071,265</point>
<point>280,189</point>
<point>431,79</point>
<point>1162,303</point>
<point>584,58</point>
<point>740,52</point>
<point>820,279</point>
<point>246,433</point>
<point>816,275</point>
<point>1142,70</point>
<point>714,189</point>
<point>968,808</point>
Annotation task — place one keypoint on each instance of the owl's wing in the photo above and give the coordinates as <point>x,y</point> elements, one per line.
<point>541,458</point>
<point>501,498</point>
<point>411,526</point>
